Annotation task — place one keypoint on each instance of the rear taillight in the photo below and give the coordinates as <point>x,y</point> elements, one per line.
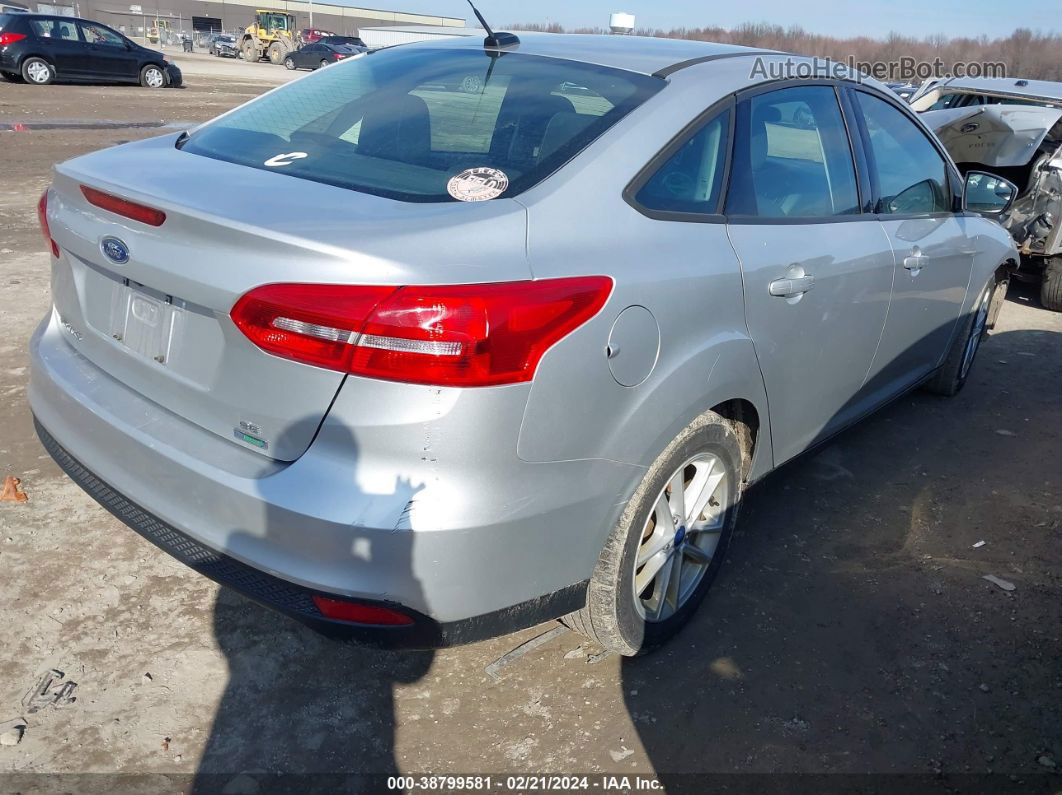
<point>42,216</point>
<point>453,335</point>
<point>360,613</point>
<point>10,38</point>
<point>124,207</point>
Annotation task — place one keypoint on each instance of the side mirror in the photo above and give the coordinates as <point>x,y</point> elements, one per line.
<point>988,194</point>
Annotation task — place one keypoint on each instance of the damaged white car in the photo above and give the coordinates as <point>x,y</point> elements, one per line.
<point>1013,129</point>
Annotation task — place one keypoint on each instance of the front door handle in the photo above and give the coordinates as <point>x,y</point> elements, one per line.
<point>916,261</point>
<point>793,286</point>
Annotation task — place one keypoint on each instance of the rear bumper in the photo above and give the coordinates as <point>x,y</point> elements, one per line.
<point>297,601</point>
<point>469,541</point>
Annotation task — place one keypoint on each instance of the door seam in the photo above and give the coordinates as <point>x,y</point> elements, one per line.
<point>888,309</point>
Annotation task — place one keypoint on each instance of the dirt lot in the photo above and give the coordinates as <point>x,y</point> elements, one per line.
<point>850,630</point>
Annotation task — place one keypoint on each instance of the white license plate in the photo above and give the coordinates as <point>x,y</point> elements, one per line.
<point>144,323</point>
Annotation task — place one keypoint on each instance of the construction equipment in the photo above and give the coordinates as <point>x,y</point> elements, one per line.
<point>272,35</point>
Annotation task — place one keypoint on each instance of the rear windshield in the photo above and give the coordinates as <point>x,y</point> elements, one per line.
<point>410,123</point>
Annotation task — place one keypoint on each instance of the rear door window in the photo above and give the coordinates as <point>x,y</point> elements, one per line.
<point>54,29</point>
<point>792,157</point>
<point>406,121</point>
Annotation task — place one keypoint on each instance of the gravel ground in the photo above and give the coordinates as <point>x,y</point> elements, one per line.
<point>851,629</point>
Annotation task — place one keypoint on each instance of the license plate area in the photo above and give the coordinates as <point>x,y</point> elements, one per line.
<point>145,321</point>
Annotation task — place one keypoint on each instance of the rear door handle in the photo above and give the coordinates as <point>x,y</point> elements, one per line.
<point>787,288</point>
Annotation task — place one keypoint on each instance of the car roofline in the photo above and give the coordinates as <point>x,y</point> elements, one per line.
<point>680,65</point>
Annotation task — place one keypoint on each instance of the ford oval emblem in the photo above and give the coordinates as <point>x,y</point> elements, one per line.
<point>969,127</point>
<point>115,250</point>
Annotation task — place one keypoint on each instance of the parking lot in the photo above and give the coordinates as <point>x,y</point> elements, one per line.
<point>851,629</point>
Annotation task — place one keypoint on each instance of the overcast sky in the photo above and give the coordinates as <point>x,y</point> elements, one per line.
<point>913,17</point>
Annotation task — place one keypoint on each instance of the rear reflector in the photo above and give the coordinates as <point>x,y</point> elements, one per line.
<point>360,613</point>
<point>124,207</point>
<point>42,217</point>
<point>10,38</point>
<point>453,335</point>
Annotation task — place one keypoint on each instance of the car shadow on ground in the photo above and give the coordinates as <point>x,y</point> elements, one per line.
<point>851,629</point>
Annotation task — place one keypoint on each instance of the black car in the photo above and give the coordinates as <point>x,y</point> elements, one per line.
<point>223,44</point>
<point>38,49</point>
<point>324,51</point>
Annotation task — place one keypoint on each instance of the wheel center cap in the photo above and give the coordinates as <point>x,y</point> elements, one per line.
<point>680,534</point>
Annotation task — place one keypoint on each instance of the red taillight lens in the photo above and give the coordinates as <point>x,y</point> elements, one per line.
<point>360,613</point>
<point>42,216</point>
<point>311,323</point>
<point>454,335</point>
<point>10,38</point>
<point>120,206</point>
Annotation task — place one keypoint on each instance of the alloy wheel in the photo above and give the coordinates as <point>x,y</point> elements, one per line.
<point>154,78</point>
<point>680,537</point>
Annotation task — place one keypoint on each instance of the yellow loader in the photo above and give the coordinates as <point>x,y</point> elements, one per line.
<point>272,36</point>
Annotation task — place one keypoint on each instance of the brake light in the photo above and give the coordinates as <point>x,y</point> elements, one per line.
<point>360,613</point>
<point>453,335</point>
<point>10,38</point>
<point>339,56</point>
<point>124,207</point>
<point>42,216</point>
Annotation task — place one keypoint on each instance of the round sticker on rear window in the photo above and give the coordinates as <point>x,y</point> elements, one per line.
<point>477,184</point>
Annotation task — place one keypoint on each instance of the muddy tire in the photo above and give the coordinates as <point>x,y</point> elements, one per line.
<point>648,581</point>
<point>1051,286</point>
<point>276,53</point>
<point>973,327</point>
<point>250,54</point>
<point>37,71</point>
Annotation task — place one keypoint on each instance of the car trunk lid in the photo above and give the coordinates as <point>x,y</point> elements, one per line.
<point>159,322</point>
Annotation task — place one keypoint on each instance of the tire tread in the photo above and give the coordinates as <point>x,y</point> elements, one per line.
<point>1051,286</point>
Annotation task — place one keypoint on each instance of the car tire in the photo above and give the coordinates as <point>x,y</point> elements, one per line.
<point>1051,286</point>
<point>324,63</point>
<point>628,623</point>
<point>289,64</point>
<point>999,297</point>
<point>37,71</point>
<point>153,76</point>
<point>951,377</point>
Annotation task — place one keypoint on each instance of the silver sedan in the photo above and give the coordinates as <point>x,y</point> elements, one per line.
<point>421,364</point>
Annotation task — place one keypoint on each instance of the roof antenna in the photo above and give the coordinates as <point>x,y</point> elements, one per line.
<point>493,39</point>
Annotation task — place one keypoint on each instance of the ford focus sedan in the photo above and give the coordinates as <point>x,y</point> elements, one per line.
<point>439,364</point>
